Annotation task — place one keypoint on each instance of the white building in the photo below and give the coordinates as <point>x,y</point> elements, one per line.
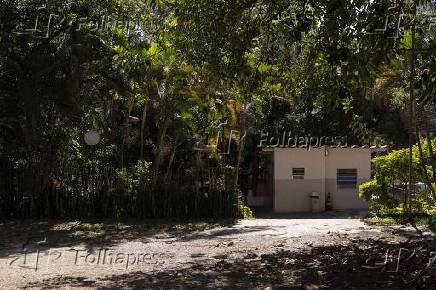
<point>291,175</point>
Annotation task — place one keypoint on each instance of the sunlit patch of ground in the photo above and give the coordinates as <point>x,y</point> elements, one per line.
<point>333,251</point>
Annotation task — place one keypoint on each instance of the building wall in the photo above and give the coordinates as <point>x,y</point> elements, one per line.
<point>347,158</point>
<point>294,195</point>
<point>321,166</point>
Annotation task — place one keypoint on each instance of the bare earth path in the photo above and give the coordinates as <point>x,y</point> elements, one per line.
<point>251,254</point>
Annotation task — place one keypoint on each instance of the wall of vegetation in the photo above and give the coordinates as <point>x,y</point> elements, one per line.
<point>159,79</point>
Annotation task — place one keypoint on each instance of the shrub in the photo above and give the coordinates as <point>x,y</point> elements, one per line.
<point>377,197</point>
<point>246,212</point>
<point>392,171</point>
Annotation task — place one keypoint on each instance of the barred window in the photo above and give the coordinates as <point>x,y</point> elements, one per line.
<point>346,178</point>
<point>297,173</point>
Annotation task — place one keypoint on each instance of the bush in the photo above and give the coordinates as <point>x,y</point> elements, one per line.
<point>246,212</point>
<point>378,199</point>
<point>392,171</point>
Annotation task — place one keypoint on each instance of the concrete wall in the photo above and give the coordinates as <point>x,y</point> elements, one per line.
<point>321,166</point>
<point>347,158</point>
<point>293,195</point>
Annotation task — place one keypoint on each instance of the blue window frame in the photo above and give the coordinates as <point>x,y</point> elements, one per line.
<point>346,178</point>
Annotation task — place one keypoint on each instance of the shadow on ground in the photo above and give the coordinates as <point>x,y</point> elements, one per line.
<point>226,233</point>
<point>267,213</point>
<point>360,264</point>
<point>17,234</point>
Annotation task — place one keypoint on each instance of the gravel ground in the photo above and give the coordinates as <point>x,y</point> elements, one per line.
<point>54,258</point>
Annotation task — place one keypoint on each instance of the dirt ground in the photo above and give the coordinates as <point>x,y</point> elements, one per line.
<point>325,251</point>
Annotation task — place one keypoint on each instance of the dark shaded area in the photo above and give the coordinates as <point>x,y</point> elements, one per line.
<point>415,220</point>
<point>94,189</point>
<point>15,234</point>
<point>357,264</point>
<point>266,213</point>
<point>226,232</point>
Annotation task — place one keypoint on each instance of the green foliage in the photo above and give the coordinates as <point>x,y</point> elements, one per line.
<point>391,174</point>
<point>246,212</point>
<point>394,166</point>
<point>377,197</point>
<point>156,93</point>
<point>135,178</point>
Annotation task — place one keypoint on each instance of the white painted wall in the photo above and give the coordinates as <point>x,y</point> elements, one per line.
<point>294,195</point>
<point>320,165</point>
<point>347,158</point>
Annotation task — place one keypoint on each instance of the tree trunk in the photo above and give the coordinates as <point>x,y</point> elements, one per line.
<point>239,159</point>
<point>125,126</point>
<point>172,157</point>
<point>424,168</point>
<point>158,158</point>
<point>144,117</point>
<point>433,167</point>
<point>431,153</point>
